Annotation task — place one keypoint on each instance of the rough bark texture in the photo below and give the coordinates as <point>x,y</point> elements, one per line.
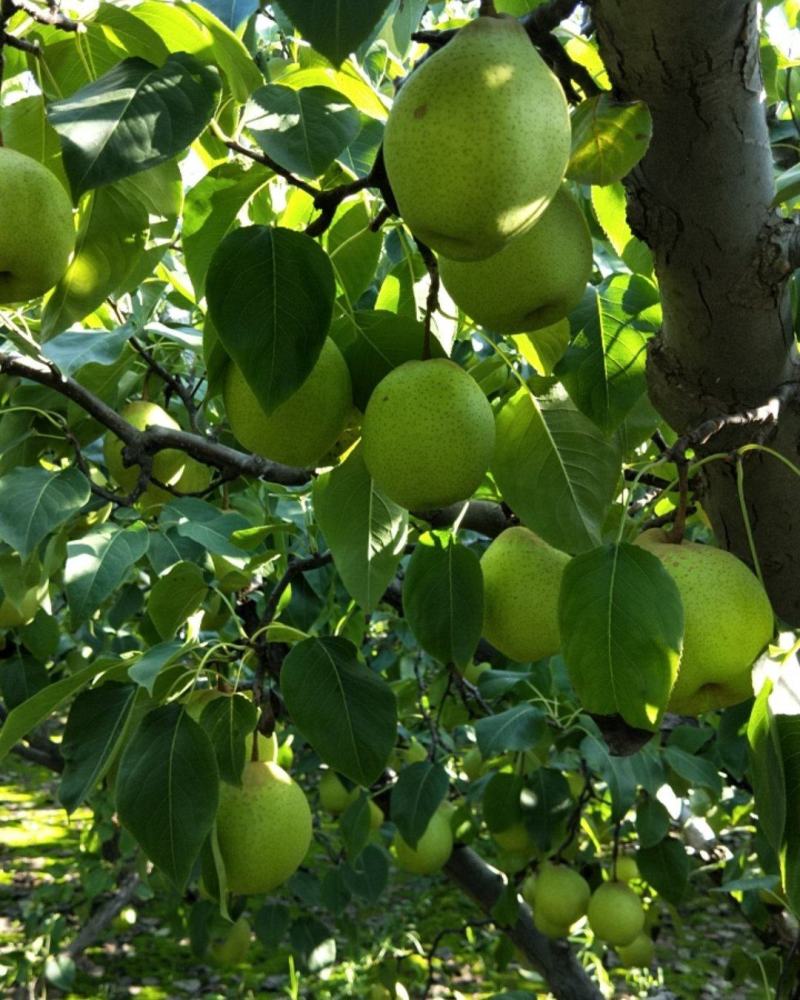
<point>555,960</point>
<point>701,199</point>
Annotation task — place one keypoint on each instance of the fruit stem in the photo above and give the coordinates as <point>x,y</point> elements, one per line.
<point>487,9</point>
<point>254,751</point>
<point>675,536</point>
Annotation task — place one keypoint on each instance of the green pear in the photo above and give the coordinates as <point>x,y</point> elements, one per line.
<point>433,848</point>
<point>473,764</point>
<point>727,622</point>
<point>478,141</point>
<point>333,796</point>
<point>638,954</point>
<point>376,816</point>
<point>561,894</point>
<point>616,914</point>
<point>626,870</point>
<point>195,477</point>
<point>415,752</point>
<point>13,614</point>
<point>197,701</point>
<point>306,425</point>
<point>168,465</point>
<point>516,839</point>
<point>428,434</point>
<point>264,828</point>
<point>548,927</point>
<point>521,581</point>
<point>37,234</point>
<point>528,889</point>
<point>473,672</point>
<point>234,948</point>
<point>534,281</point>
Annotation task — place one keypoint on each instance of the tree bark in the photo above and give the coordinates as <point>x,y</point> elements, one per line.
<point>701,199</point>
<point>554,959</point>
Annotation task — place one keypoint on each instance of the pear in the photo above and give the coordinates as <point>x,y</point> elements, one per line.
<point>548,927</point>
<point>234,948</point>
<point>626,870</point>
<point>263,828</point>
<point>478,141</point>
<point>638,954</point>
<point>333,796</point>
<point>428,434</point>
<point>433,848</point>
<point>168,464</point>
<point>195,477</point>
<point>37,235</point>
<point>521,581</point>
<point>534,281</point>
<point>305,426</point>
<point>616,914</point>
<point>561,894</point>
<point>515,839</point>
<point>14,614</point>
<point>727,622</point>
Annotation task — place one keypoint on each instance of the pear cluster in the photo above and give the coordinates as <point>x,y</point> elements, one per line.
<point>515,250</point>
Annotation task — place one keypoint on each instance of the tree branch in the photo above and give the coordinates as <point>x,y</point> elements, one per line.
<point>52,18</point>
<point>103,916</point>
<point>554,959</point>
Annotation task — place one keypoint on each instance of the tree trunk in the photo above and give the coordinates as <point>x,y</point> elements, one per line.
<point>701,199</point>
<point>555,960</point>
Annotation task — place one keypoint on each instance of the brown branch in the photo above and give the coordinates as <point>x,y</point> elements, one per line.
<point>295,569</point>
<point>53,761</point>
<point>52,18</point>
<point>103,916</point>
<point>19,43</point>
<point>183,392</point>
<point>266,160</point>
<point>140,446</point>
<point>553,959</point>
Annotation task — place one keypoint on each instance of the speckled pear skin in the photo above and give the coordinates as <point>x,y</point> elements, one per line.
<point>305,426</point>
<point>428,434</point>
<point>535,280</point>
<point>168,465</point>
<point>264,828</point>
<point>521,580</point>
<point>478,141</point>
<point>728,621</point>
<point>37,235</point>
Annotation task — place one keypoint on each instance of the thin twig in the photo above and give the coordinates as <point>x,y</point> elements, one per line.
<point>432,300</point>
<point>175,384</point>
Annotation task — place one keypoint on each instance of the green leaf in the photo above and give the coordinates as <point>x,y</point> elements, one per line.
<point>617,772</point>
<point>345,711</point>
<point>501,801</point>
<point>302,130</point>
<point>34,502</point>
<point>366,532</point>
<point>71,350</point>
<point>211,209</point>
<point>420,790</point>
<point>27,716</point>
<point>167,790</point>
<point>355,826</point>
<point>696,770</point>
<point>652,822</point>
<point>205,524</point>
<point>149,665</point>
<point>367,876</point>
<point>133,118</point>
<point>95,726</point>
<point>544,348</point>
<point>270,294</point>
<point>98,563</point>
<point>609,138</point>
<point>376,341</point>
<point>552,805</point>
<point>518,728</point>
<point>335,27</point>
<point>610,208</point>
<point>227,723</point>
<point>271,924</point>
<point>176,596</point>
<point>666,867</point>
<point>603,369</point>
<point>443,598</point>
<point>787,186</point>
<point>21,677</point>
<point>621,622</point>
<point>555,470</point>
<point>766,766</point>
<point>354,250</point>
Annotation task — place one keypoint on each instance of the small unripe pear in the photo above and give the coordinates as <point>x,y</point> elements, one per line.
<point>521,581</point>
<point>305,426</point>
<point>264,828</point>
<point>428,434</point>
<point>433,848</point>
<point>478,140</point>
<point>728,620</point>
<point>627,870</point>
<point>616,914</point>
<point>638,954</point>
<point>562,894</point>
<point>333,796</point>
<point>37,234</point>
<point>548,927</point>
<point>233,950</point>
<point>515,838</point>
<point>534,281</point>
<point>168,465</point>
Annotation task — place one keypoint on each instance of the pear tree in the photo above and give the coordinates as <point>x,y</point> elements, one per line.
<point>398,485</point>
